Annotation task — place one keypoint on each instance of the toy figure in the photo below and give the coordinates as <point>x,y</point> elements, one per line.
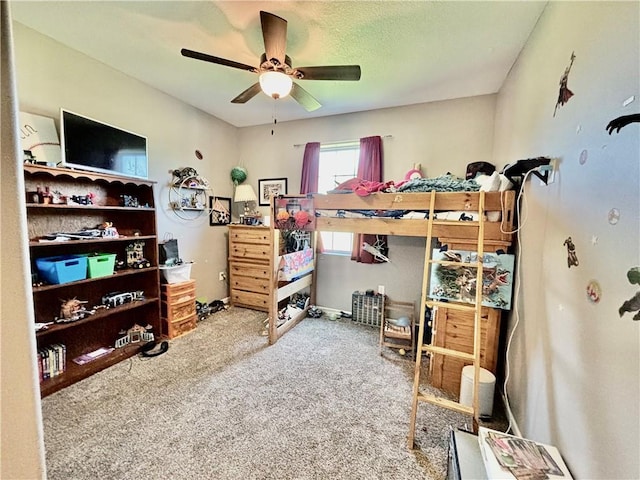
<point>564,94</point>
<point>572,258</point>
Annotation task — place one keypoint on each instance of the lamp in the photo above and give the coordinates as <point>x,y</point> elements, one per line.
<point>245,193</point>
<point>276,84</point>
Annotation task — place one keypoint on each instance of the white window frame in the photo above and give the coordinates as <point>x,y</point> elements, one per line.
<point>329,239</point>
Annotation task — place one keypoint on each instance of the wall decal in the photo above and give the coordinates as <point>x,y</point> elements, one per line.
<point>594,239</point>
<point>572,258</point>
<point>564,94</point>
<point>583,157</point>
<point>620,122</point>
<point>633,304</point>
<point>633,275</point>
<point>614,216</point>
<point>594,293</point>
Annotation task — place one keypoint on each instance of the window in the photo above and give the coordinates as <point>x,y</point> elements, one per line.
<point>338,163</point>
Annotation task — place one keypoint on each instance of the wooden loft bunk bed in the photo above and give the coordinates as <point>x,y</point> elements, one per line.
<point>478,235</point>
<point>453,233</point>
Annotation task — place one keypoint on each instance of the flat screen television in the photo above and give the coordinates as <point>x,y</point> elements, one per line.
<point>89,144</point>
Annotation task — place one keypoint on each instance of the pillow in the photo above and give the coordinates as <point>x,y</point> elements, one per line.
<point>488,183</point>
<point>505,183</point>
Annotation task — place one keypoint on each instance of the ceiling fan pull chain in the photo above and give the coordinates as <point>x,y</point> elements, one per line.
<point>274,116</point>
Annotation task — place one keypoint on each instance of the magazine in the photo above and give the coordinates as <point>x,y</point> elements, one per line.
<point>510,457</point>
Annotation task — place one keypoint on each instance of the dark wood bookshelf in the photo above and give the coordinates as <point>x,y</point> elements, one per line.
<point>133,224</point>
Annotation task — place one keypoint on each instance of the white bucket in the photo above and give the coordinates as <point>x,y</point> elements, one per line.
<point>176,274</point>
<point>486,387</point>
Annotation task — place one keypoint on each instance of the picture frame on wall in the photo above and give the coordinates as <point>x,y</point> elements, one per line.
<point>268,187</point>
<point>219,211</point>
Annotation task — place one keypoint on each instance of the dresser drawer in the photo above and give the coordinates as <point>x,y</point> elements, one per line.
<point>175,329</point>
<point>255,235</point>
<point>250,251</point>
<point>178,292</point>
<point>249,270</point>
<point>177,311</point>
<point>250,284</point>
<point>258,301</point>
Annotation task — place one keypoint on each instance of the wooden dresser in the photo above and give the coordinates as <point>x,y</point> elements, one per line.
<point>250,266</point>
<point>454,329</point>
<point>178,308</point>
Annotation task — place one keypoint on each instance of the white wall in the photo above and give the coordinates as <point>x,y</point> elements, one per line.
<point>442,136</point>
<point>21,440</point>
<point>575,364</point>
<point>51,76</point>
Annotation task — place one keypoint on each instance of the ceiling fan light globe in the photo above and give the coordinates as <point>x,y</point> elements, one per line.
<point>276,84</point>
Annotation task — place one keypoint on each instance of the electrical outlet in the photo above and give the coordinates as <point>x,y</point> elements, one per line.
<point>222,276</point>
<point>551,170</point>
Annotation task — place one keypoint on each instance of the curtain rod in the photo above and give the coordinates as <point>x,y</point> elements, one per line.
<point>337,143</point>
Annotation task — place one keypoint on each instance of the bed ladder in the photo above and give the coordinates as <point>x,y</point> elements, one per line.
<point>476,308</point>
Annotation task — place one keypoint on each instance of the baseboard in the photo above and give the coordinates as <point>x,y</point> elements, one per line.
<point>512,421</point>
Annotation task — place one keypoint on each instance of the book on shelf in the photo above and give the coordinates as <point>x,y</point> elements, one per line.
<point>52,361</point>
<point>509,457</point>
<point>91,356</point>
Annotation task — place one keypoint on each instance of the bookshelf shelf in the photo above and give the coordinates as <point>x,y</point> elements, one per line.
<point>99,315</point>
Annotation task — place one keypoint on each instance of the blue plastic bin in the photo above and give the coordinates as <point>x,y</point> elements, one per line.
<point>62,269</point>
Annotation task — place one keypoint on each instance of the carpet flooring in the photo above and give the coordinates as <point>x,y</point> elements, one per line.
<point>321,403</point>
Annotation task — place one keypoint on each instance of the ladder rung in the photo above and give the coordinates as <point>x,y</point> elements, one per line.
<point>443,402</point>
<point>454,306</point>
<point>448,352</point>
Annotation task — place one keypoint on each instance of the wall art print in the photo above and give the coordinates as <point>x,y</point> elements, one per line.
<point>270,187</point>
<point>219,211</point>
<point>458,282</point>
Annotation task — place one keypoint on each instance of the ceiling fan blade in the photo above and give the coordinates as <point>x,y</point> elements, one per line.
<point>304,98</point>
<point>220,61</point>
<point>274,33</point>
<point>336,72</point>
<point>248,94</point>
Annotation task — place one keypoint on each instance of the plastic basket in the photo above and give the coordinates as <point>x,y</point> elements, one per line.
<point>177,273</point>
<point>62,269</point>
<point>101,265</point>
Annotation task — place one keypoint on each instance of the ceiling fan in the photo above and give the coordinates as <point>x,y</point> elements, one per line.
<point>275,70</point>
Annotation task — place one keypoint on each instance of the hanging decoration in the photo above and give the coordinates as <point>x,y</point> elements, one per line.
<point>594,293</point>
<point>564,94</point>
<point>584,155</point>
<point>238,175</point>
<point>572,258</point>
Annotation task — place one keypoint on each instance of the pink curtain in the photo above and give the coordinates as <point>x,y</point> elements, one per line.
<point>309,181</point>
<point>310,165</point>
<point>370,162</point>
<point>369,168</point>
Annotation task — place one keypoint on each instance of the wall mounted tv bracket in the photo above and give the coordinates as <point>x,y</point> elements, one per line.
<point>516,171</point>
